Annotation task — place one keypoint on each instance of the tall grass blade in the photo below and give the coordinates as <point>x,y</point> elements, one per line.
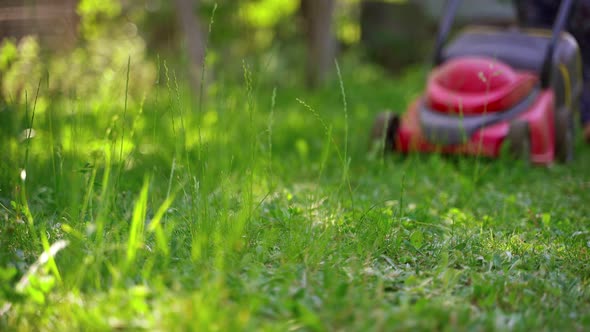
<point>155,224</point>
<point>123,122</point>
<point>47,254</point>
<point>136,233</point>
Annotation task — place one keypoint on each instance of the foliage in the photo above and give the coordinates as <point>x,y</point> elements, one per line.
<point>88,72</point>
<point>268,13</point>
<point>93,13</point>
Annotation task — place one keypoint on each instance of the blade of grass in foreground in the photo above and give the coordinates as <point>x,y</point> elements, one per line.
<point>156,226</point>
<point>137,223</point>
<point>123,120</point>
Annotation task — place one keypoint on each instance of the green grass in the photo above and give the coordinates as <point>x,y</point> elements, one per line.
<point>263,211</point>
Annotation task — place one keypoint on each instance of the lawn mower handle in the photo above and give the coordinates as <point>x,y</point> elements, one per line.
<point>559,25</point>
<point>444,28</point>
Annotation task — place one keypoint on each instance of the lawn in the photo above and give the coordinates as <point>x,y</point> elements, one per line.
<point>259,208</point>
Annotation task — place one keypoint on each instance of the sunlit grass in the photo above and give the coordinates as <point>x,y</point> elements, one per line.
<point>264,211</point>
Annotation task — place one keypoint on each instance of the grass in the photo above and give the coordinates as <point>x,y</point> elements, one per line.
<point>263,211</point>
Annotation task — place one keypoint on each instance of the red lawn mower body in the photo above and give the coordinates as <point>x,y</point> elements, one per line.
<point>473,87</point>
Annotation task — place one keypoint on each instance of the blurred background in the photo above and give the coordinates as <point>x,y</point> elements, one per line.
<point>142,83</point>
<point>83,44</point>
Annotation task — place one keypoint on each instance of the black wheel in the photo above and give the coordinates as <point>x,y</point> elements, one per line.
<point>519,141</point>
<point>383,132</point>
<point>564,136</point>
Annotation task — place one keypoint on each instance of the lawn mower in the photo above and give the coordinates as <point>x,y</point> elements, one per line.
<point>493,91</point>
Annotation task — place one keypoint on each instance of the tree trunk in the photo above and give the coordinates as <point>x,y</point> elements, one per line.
<point>193,38</point>
<point>321,46</point>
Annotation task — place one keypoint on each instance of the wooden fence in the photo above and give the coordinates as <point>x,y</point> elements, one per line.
<point>53,21</point>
